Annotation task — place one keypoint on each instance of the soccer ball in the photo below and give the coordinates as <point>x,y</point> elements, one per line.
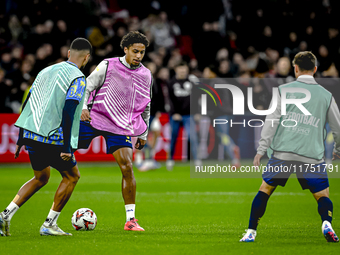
<point>84,219</point>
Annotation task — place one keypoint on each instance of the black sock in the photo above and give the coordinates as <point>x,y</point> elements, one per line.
<point>257,209</point>
<point>325,209</point>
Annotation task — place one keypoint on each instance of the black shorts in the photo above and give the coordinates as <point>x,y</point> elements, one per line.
<point>43,155</point>
<point>310,176</point>
<point>113,142</point>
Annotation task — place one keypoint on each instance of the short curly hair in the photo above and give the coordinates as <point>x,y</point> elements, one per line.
<point>133,37</point>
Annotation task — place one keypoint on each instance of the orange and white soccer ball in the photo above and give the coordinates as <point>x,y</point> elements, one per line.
<point>84,219</point>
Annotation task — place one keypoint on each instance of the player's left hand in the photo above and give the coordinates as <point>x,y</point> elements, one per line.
<point>65,156</point>
<point>140,144</point>
<point>17,151</point>
<point>257,160</point>
<point>85,115</point>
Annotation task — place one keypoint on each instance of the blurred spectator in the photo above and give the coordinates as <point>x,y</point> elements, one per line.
<point>41,59</point>
<point>162,78</point>
<point>284,71</point>
<point>159,101</point>
<point>119,30</point>
<point>61,34</point>
<point>261,94</point>
<point>4,96</point>
<point>7,61</point>
<point>15,28</point>
<point>330,72</point>
<point>222,33</point>
<point>164,32</point>
<point>324,58</point>
<point>225,70</point>
<point>180,87</point>
<point>20,82</point>
<point>291,44</point>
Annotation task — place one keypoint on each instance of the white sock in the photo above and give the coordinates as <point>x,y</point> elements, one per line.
<point>251,231</point>
<point>130,211</point>
<point>11,209</point>
<point>52,218</point>
<point>138,158</point>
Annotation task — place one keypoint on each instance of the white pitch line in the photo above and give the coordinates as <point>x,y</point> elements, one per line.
<point>187,193</point>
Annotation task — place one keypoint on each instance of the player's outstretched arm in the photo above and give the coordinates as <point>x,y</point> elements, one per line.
<point>95,80</point>
<point>19,143</point>
<point>68,116</point>
<point>333,118</point>
<point>21,132</point>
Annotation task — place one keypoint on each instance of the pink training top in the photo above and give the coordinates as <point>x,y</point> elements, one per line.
<point>122,99</point>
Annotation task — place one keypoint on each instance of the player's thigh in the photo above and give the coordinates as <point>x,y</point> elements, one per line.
<point>58,163</point>
<point>64,166</point>
<point>72,174</point>
<point>313,177</point>
<point>86,135</point>
<point>116,142</point>
<point>39,154</point>
<point>123,156</point>
<point>266,188</point>
<point>322,193</point>
<point>43,175</point>
<point>277,172</point>
<point>67,169</point>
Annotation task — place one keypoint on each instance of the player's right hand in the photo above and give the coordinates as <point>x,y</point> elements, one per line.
<point>257,160</point>
<point>66,156</point>
<point>17,151</point>
<point>85,115</point>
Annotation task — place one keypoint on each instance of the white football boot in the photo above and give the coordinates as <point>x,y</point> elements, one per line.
<point>52,231</point>
<point>4,226</point>
<point>249,236</point>
<point>328,232</point>
<point>169,164</point>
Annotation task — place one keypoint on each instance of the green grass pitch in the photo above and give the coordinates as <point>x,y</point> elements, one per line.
<point>181,215</point>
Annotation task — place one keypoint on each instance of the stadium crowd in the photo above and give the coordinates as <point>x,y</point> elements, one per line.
<point>219,39</point>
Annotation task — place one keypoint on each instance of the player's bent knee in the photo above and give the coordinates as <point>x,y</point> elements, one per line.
<point>42,180</point>
<point>73,179</point>
<point>127,170</point>
<point>320,194</point>
<point>76,177</point>
<point>127,167</point>
<point>266,188</point>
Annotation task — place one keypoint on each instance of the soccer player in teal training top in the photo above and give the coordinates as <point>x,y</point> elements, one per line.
<point>49,127</point>
<point>300,147</point>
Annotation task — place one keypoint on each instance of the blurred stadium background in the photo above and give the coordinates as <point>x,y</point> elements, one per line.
<point>217,38</point>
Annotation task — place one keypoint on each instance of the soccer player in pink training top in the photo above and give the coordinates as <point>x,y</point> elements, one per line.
<point>119,108</point>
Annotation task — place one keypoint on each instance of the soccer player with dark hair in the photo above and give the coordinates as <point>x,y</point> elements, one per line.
<point>49,128</point>
<point>299,146</point>
<point>119,108</point>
